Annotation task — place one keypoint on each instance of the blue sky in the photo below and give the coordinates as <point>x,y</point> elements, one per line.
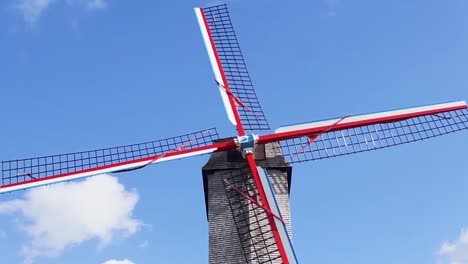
<point>84,74</point>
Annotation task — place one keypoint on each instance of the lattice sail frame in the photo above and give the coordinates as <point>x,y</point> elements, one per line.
<point>253,228</point>
<point>374,136</point>
<point>239,98</point>
<point>50,169</point>
<point>252,220</point>
<point>229,68</point>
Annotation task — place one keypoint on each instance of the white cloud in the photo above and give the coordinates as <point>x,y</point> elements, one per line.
<point>456,252</point>
<point>64,215</point>
<point>125,261</point>
<point>32,10</point>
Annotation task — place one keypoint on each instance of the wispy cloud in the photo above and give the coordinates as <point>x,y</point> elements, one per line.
<point>125,261</point>
<point>64,215</point>
<point>455,252</point>
<point>32,10</point>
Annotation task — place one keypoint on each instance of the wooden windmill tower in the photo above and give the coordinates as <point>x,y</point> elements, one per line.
<point>247,178</point>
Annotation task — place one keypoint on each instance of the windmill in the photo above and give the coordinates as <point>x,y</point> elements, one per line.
<point>249,182</point>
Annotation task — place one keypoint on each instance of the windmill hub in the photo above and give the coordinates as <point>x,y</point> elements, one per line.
<point>246,144</point>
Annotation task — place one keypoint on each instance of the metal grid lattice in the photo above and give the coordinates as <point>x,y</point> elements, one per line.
<point>372,137</point>
<point>25,170</point>
<point>251,221</point>
<point>233,63</point>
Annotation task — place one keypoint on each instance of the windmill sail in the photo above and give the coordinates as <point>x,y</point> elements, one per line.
<point>253,221</point>
<point>26,173</point>
<point>229,67</point>
<point>243,109</point>
<point>278,218</point>
<point>344,136</point>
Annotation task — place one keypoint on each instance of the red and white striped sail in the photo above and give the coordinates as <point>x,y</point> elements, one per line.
<point>220,77</point>
<point>32,172</point>
<point>229,69</point>
<point>239,98</point>
<point>354,134</point>
<point>275,211</point>
<point>381,117</point>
